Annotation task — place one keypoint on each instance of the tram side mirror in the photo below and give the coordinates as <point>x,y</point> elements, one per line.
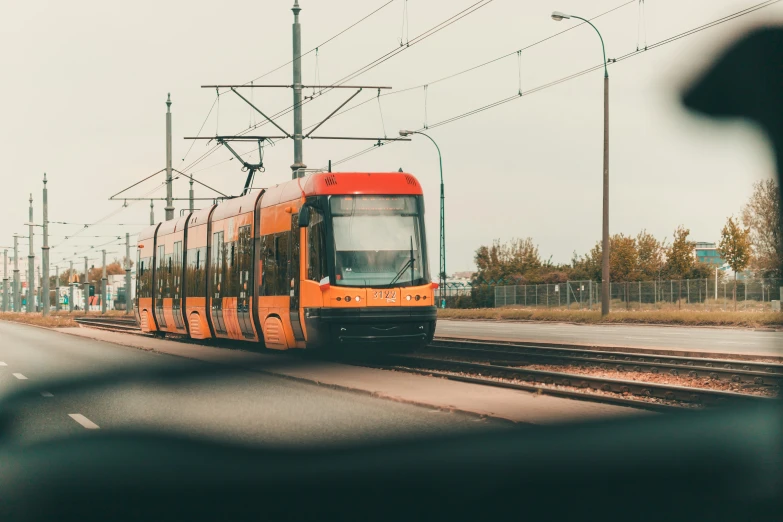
<point>304,217</point>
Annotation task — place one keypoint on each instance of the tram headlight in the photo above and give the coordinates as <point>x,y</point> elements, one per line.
<point>407,298</point>
<point>347,298</point>
<point>418,297</point>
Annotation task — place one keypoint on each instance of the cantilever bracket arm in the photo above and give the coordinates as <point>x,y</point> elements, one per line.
<point>137,183</point>
<point>270,120</point>
<point>200,182</point>
<point>333,112</point>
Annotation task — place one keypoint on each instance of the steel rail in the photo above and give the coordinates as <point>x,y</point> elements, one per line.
<point>685,394</point>
<point>733,370</point>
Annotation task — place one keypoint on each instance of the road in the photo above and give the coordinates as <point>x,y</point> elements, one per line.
<point>243,406</point>
<point>684,339</point>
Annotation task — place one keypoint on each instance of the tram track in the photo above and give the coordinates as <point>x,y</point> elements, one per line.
<point>572,385</point>
<point>503,364</point>
<point>759,373</point>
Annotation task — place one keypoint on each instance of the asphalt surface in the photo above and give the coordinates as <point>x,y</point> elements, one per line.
<point>237,405</point>
<point>713,340</point>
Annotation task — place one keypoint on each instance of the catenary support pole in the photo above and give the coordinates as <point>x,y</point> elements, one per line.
<point>297,169</point>
<point>86,288</point>
<point>70,288</point>
<point>31,265</point>
<point>5,280</point>
<point>17,282</point>
<point>169,202</point>
<point>128,271</point>
<point>103,283</point>
<point>152,212</point>
<point>57,288</point>
<point>45,252</point>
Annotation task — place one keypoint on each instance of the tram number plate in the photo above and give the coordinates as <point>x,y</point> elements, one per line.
<point>389,295</point>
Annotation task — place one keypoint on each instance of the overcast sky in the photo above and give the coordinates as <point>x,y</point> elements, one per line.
<point>85,86</point>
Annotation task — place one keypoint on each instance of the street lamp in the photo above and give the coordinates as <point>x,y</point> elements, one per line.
<point>442,270</point>
<point>605,290</point>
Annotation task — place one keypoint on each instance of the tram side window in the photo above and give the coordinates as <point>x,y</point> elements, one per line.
<point>218,265</point>
<point>144,278</point>
<point>195,277</point>
<point>268,282</point>
<point>232,270</point>
<point>274,264</point>
<point>316,246</point>
<point>162,273</point>
<point>282,257</point>
<point>244,258</point>
<point>177,271</point>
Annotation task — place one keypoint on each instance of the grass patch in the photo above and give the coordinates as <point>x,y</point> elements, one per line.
<point>672,317</point>
<point>53,321</point>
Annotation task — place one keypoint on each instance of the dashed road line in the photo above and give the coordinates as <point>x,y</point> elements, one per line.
<point>84,421</point>
<point>46,394</point>
<point>20,376</point>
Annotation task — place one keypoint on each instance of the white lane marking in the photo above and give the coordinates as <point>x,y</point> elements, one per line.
<point>730,342</point>
<point>46,394</point>
<point>84,421</point>
<point>3,364</point>
<point>20,376</point>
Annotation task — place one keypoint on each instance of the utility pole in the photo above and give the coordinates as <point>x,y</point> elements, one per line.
<point>191,193</point>
<point>70,288</point>
<point>86,287</point>
<point>298,167</point>
<point>31,266</point>
<point>45,250</point>
<point>152,213</point>
<point>56,288</point>
<point>103,283</point>
<point>169,202</point>
<point>17,283</point>
<point>128,266</point>
<point>5,280</point>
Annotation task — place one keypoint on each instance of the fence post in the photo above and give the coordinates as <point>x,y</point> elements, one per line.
<point>688,290</point>
<point>568,295</point>
<point>536,295</point>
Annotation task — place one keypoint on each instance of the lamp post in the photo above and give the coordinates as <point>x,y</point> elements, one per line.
<point>442,265</point>
<point>605,290</point>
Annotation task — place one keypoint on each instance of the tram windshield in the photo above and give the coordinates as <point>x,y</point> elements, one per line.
<point>378,241</point>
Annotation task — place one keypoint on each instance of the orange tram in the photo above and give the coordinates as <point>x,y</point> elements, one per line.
<point>329,259</point>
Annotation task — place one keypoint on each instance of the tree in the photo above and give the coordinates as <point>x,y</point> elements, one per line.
<point>623,259</point>
<point>761,215</point>
<point>735,247</point>
<point>113,268</point>
<point>680,260</point>
<point>651,256</point>
<point>517,259</point>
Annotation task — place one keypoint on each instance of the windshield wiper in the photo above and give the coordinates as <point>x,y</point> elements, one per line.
<point>409,263</point>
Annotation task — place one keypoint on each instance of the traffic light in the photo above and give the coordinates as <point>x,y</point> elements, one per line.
<point>92,290</point>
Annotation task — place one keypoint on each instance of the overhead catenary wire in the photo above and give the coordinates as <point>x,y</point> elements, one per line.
<point>387,56</point>
<point>558,81</point>
<point>475,67</point>
<point>325,41</point>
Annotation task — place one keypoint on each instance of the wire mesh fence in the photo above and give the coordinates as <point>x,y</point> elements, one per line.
<point>692,294</point>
